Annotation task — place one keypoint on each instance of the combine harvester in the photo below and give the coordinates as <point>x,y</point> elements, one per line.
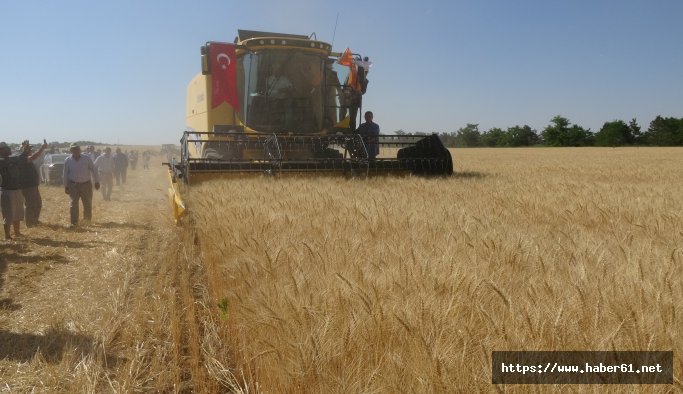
<point>278,104</point>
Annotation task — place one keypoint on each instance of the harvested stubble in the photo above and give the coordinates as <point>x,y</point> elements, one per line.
<point>409,284</point>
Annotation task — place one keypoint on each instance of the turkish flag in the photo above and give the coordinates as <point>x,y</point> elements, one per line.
<point>224,75</point>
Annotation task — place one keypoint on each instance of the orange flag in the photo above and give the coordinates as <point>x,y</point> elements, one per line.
<point>346,59</point>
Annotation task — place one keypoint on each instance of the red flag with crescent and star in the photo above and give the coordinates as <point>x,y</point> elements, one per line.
<point>224,75</point>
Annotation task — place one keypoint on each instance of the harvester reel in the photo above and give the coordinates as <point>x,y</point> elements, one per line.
<point>347,154</point>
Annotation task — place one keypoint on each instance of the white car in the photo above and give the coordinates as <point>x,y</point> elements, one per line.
<point>52,169</point>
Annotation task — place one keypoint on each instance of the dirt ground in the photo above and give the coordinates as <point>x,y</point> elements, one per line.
<point>92,309</point>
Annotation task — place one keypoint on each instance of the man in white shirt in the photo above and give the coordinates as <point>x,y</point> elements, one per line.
<point>105,167</point>
<point>78,170</point>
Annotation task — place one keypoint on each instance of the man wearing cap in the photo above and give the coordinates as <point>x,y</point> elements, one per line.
<point>78,170</point>
<point>11,198</point>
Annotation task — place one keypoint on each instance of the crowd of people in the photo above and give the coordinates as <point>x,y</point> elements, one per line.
<point>20,197</point>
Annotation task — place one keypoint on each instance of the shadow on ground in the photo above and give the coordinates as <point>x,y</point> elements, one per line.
<point>14,247</point>
<point>31,259</point>
<point>61,243</point>
<point>15,255</point>
<point>52,345</point>
<point>8,305</point>
<point>128,226</point>
<point>3,266</point>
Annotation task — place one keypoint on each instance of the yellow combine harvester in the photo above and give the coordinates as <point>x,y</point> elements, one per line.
<point>276,104</point>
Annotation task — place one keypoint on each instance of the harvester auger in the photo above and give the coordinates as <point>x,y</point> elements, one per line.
<point>273,104</point>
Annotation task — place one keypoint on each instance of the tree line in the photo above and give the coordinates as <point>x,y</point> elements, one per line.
<point>561,132</point>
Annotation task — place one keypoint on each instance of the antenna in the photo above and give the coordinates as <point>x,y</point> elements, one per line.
<point>335,29</point>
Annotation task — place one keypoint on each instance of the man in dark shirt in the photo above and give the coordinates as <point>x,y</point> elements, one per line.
<point>29,180</point>
<point>370,132</point>
<point>11,198</point>
<point>120,167</point>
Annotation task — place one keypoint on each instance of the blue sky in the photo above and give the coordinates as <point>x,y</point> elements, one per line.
<point>117,71</point>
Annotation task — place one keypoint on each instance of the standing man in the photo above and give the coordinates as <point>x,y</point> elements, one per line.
<point>370,132</point>
<point>120,166</point>
<point>146,156</point>
<point>105,167</point>
<point>78,170</point>
<point>29,180</point>
<point>133,159</point>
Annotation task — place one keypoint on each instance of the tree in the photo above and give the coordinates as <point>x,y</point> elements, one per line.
<point>556,134</point>
<point>468,135</point>
<point>521,136</point>
<point>615,133</point>
<point>559,133</point>
<point>578,136</point>
<point>665,132</point>
<point>634,129</point>
<point>494,137</point>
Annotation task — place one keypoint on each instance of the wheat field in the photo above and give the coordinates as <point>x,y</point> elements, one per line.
<point>408,284</point>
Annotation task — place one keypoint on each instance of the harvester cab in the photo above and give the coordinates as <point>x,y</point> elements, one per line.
<point>276,104</point>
